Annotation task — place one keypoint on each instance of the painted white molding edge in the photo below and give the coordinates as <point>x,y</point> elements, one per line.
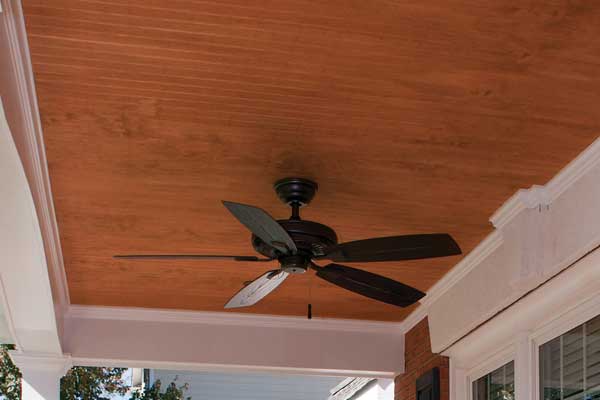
<point>41,374</point>
<point>41,362</point>
<point>543,196</point>
<point>32,150</point>
<point>231,319</point>
<point>9,337</point>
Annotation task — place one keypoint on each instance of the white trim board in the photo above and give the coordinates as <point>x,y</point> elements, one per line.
<point>180,339</point>
<point>24,119</point>
<point>231,319</point>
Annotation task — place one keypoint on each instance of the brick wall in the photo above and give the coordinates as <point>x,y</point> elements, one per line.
<point>419,359</point>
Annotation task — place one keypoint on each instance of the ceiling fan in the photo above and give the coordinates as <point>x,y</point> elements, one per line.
<point>295,243</point>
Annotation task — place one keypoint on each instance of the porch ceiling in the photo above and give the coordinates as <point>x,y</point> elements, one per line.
<point>413,117</point>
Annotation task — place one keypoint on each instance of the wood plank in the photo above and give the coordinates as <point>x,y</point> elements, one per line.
<point>413,117</point>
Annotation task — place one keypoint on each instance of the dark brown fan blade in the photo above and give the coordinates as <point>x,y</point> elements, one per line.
<point>395,248</point>
<point>370,285</point>
<point>262,225</point>
<point>188,257</point>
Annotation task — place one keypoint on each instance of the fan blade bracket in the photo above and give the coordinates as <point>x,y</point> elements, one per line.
<point>256,290</point>
<point>262,225</point>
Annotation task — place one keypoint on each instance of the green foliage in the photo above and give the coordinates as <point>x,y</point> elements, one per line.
<point>92,383</point>
<point>85,383</point>
<point>10,376</point>
<point>173,392</point>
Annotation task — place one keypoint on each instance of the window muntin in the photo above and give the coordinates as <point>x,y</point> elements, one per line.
<point>570,364</point>
<point>497,385</point>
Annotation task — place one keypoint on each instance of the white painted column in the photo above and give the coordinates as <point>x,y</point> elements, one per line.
<point>459,385</point>
<point>524,362</point>
<point>41,375</point>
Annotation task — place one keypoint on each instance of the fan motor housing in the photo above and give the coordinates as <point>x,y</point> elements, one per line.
<point>311,238</point>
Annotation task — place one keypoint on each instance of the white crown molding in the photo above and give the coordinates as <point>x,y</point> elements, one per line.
<point>587,160</point>
<point>543,196</point>
<point>229,318</point>
<point>34,156</point>
<point>536,196</point>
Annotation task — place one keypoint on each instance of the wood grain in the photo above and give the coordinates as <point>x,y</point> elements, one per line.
<point>414,117</point>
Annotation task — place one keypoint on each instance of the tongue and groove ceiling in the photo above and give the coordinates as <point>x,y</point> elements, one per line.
<point>413,117</point>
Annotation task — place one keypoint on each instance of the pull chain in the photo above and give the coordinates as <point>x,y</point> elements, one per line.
<point>310,280</point>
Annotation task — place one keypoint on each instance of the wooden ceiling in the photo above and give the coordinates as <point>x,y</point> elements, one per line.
<point>413,116</point>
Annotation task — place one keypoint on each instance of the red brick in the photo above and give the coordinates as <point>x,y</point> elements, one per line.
<point>419,359</point>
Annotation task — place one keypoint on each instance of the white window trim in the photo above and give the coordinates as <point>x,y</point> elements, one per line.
<point>491,364</point>
<point>557,327</point>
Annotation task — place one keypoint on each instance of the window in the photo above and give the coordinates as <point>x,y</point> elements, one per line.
<point>570,364</point>
<point>497,385</point>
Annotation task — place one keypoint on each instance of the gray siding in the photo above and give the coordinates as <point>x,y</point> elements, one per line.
<point>242,386</point>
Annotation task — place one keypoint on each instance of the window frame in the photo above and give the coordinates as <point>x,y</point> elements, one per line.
<point>489,365</point>
<point>571,319</point>
<point>523,348</point>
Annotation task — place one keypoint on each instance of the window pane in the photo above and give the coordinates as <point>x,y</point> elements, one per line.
<point>550,381</point>
<point>570,364</point>
<point>497,385</point>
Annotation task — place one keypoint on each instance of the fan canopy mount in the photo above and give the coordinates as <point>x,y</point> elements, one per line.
<point>312,239</point>
<point>295,190</point>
